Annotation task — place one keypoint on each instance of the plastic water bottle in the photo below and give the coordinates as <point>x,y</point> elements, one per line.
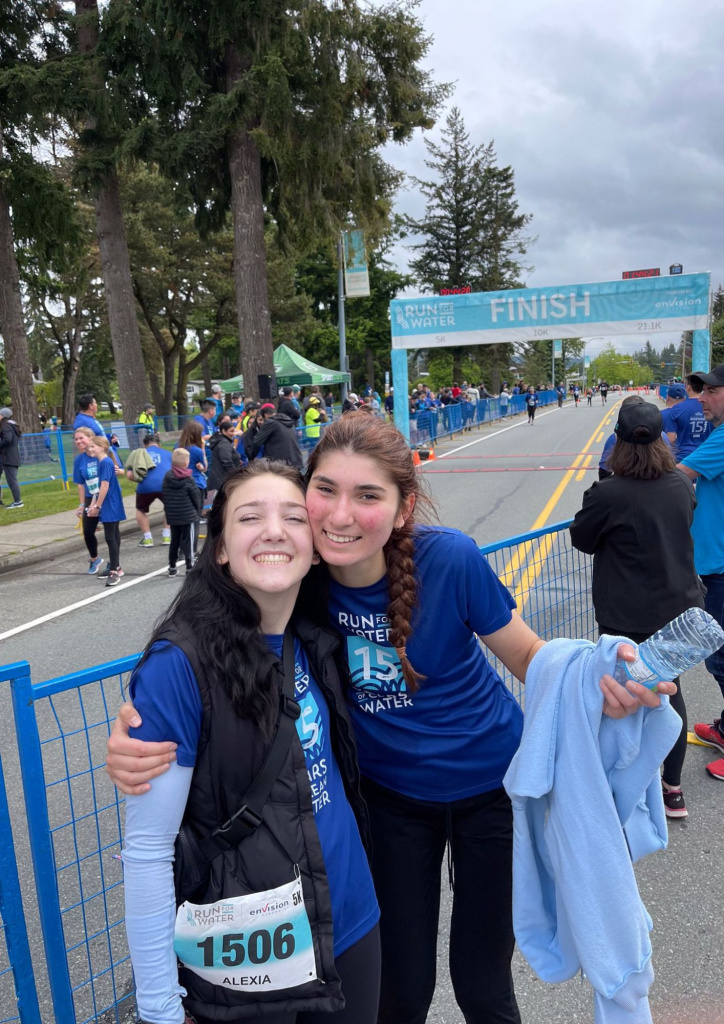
<point>681,644</point>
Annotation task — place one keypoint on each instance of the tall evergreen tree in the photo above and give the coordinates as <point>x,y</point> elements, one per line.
<point>100,140</point>
<point>279,105</point>
<point>20,28</point>
<point>12,323</point>
<point>472,232</point>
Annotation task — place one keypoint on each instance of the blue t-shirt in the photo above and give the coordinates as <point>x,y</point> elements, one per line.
<point>112,510</point>
<point>85,471</point>
<point>708,526</point>
<point>196,454</point>
<point>686,419</point>
<point>607,449</point>
<point>531,400</point>
<point>207,426</point>
<point>456,736</point>
<point>84,420</point>
<point>152,483</point>
<point>165,693</point>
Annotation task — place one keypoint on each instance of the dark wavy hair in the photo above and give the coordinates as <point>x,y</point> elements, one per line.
<point>224,621</point>
<point>358,433</point>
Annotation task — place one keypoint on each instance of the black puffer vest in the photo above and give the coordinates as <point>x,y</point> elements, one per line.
<point>230,753</point>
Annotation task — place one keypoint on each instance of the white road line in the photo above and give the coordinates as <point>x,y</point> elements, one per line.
<point>106,592</point>
<point>477,440</point>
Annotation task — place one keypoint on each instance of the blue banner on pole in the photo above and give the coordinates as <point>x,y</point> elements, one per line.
<point>646,305</point>
<point>356,271</point>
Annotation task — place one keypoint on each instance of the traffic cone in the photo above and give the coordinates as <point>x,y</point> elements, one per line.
<point>431,455</point>
<point>416,458</point>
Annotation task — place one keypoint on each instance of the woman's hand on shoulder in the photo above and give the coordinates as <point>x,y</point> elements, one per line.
<point>131,763</point>
<point>620,701</point>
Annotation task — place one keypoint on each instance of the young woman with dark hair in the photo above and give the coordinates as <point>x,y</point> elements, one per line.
<point>192,439</point>
<point>436,726</point>
<point>211,678</point>
<point>637,526</point>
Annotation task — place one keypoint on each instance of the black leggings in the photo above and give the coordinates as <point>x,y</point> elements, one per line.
<point>675,760</point>
<point>408,843</point>
<point>90,525</point>
<point>112,534</point>
<point>359,971</point>
<point>531,412</point>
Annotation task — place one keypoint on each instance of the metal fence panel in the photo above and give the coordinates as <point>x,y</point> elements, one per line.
<point>18,998</point>
<point>551,583</point>
<point>75,825</point>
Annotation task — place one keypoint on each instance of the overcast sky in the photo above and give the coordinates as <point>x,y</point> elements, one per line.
<point>612,116</point>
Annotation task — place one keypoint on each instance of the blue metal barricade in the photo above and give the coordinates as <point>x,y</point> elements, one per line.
<point>551,583</point>
<point>75,825</point>
<point>18,998</point>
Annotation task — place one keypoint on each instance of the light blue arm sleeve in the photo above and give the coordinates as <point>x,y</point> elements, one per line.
<point>152,824</point>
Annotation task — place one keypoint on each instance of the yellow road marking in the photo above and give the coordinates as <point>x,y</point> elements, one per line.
<point>582,471</point>
<point>537,561</point>
<point>600,437</point>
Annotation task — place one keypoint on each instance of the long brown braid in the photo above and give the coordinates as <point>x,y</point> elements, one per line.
<point>356,433</point>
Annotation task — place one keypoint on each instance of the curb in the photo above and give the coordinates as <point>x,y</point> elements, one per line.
<point>65,546</point>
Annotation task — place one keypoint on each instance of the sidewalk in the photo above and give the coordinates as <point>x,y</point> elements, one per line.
<point>49,537</point>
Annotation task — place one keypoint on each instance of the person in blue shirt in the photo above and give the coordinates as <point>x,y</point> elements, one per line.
<point>205,420</point>
<point>436,727</point>
<point>150,489</point>
<point>107,505</point>
<point>217,397</point>
<point>237,405</point>
<point>85,476</point>
<point>561,394</point>
<point>86,417</point>
<point>684,421</point>
<point>531,404</point>
<point>705,466</point>
<point>235,608</point>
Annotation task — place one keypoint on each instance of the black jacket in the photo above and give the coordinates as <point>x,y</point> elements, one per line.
<point>288,408</point>
<point>278,436</point>
<point>181,499</point>
<point>9,448</point>
<point>638,532</point>
<point>230,753</point>
<point>224,460</point>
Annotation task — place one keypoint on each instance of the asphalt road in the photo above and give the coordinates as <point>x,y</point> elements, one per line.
<point>494,484</point>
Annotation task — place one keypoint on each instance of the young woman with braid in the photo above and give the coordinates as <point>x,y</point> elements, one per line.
<point>435,725</point>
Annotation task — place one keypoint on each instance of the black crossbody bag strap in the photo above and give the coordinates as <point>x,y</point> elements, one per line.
<point>248,818</point>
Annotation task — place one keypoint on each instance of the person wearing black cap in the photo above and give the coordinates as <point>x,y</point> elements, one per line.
<point>684,420</point>
<point>287,406</point>
<point>705,465</point>
<point>637,526</point>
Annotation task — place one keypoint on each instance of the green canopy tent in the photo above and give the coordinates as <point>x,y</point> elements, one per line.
<point>291,368</point>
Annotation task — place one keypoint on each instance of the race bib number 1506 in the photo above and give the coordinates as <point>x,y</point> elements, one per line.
<point>261,941</point>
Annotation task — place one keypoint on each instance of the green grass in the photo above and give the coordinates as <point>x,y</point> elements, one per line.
<point>45,499</point>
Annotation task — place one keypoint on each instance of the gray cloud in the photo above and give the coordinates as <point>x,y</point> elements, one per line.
<point>611,116</point>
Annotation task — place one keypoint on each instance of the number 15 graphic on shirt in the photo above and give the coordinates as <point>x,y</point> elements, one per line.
<point>374,669</point>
